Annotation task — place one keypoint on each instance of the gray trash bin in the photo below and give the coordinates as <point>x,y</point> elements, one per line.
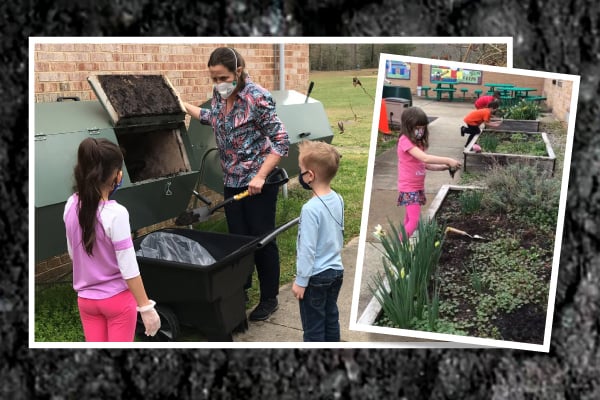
<point>395,106</point>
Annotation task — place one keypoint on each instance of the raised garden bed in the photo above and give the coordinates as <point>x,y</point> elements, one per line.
<point>496,288</point>
<point>510,147</point>
<point>490,289</point>
<point>522,116</point>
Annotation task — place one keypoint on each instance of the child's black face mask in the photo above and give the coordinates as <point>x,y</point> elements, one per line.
<point>302,182</point>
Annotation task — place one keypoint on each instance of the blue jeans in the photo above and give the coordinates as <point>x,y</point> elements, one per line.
<point>319,310</point>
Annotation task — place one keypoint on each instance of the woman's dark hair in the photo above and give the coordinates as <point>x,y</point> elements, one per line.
<point>230,59</point>
<point>410,119</point>
<point>97,162</point>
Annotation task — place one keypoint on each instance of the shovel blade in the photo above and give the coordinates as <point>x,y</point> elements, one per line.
<point>200,214</point>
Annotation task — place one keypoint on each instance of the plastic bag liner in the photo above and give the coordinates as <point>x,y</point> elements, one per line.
<point>172,247</point>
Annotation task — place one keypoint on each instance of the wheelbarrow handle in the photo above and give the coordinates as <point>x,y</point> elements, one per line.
<point>241,195</point>
<point>266,239</point>
<point>458,231</point>
<point>278,176</point>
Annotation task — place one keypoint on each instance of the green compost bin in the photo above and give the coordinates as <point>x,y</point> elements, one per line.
<point>158,178</point>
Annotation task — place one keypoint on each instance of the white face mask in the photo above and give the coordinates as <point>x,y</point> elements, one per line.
<point>226,88</point>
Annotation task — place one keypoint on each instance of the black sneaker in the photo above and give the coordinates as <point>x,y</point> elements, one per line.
<point>264,309</point>
<point>462,131</point>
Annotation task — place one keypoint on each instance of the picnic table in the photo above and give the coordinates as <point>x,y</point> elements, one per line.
<point>442,88</point>
<point>521,91</point>
<point>500,86</point>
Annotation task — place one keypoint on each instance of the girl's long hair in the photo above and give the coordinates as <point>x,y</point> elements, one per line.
<point>230,59</point>
<point>97,162</point>
<point>410,119</point>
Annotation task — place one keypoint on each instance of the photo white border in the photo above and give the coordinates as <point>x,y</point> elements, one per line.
<point>545,347</point>
<point>33,40</point>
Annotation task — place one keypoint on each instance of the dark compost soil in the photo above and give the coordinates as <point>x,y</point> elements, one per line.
<point>524,324</point>
<point>139,95</point>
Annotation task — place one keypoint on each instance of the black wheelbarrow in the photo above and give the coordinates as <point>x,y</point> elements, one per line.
<point>209,298</point>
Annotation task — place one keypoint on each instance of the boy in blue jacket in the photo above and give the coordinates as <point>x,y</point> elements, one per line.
<point>319,269</point>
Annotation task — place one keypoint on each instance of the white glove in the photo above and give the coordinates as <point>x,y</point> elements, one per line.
<point>150,318</point>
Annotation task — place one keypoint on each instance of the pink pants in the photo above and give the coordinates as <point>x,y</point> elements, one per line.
<point>109,320</point>
<point>411,219</point>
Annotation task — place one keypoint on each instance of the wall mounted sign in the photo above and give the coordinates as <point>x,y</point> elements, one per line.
<point>441,74</point>
<point>397,70</point>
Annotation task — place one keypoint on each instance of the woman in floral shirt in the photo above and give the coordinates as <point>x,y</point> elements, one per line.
<point>251,140</point>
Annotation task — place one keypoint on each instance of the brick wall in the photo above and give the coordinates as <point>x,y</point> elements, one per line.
<point>558,94</point>
<point>62,70</point>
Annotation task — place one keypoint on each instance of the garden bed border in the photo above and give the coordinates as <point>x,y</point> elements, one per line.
<point>529,125</point>
<point>550,159</point>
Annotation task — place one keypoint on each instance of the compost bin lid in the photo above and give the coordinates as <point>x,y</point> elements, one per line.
<point>138,99</point>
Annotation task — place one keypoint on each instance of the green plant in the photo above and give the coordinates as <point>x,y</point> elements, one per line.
<point>521,191</point>
<point>488,142</point>
<point>470,201</point>
<point>509,273</point>
<point>409,289</point>
<point>523,110</point>
<point>522,143</point>
<point>56,314</point>
<point>477,280</point>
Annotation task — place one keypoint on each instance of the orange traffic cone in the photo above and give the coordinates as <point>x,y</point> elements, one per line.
<point>384,126</point>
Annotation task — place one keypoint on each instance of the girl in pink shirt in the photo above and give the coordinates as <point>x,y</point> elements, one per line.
<point>106,276</point>
<point>412,163</point>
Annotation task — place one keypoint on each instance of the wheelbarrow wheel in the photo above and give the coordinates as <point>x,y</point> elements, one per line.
<point>169,326</point>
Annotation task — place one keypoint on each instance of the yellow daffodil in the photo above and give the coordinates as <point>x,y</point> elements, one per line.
<point>402,273</point>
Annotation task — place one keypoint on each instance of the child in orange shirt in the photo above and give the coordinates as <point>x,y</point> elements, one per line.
<point>477,117</point>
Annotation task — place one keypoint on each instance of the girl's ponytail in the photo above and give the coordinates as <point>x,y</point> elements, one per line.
<point>97,161</point>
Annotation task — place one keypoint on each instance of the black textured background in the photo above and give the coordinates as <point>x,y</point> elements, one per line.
<point>555,35</point>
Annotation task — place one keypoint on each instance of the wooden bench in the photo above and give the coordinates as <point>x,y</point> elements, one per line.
<point>441,91</point>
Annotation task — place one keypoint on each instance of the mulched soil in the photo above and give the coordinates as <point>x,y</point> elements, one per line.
<point>525,324</point>
<point>139,95</point>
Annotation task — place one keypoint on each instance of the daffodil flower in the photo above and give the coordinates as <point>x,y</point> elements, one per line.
<point>379,232</point>
<point>402,273</point>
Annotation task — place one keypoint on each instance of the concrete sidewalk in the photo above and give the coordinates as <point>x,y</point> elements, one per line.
<point>445,140</point>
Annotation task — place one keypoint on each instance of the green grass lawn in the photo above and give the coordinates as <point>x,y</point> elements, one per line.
<point>56,316</point>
